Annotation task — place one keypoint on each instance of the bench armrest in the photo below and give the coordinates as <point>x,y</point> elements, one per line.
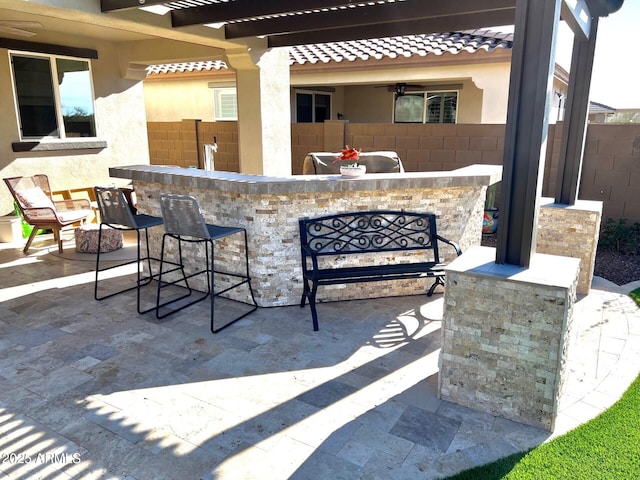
<point>449,242</point>
<point>308,253</point>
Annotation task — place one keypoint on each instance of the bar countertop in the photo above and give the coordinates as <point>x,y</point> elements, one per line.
<point>478,175</point>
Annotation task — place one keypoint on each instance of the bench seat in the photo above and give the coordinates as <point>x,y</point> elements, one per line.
<point>333,276</point>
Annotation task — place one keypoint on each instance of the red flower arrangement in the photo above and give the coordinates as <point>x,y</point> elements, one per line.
<point>349,155</point>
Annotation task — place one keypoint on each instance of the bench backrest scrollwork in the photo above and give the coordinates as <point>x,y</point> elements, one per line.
<point>369,231</point>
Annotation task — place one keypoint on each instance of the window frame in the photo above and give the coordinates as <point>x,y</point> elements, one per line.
<point>442,94</point>
<point>313,94</point>
<point>52,58</point>
<point>218,91</point>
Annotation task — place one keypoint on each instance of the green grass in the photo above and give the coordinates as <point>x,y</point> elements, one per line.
<point>635,294</point>
<point>606,448</point>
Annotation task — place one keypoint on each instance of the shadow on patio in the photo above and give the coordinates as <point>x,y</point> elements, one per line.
<point>93,390</point>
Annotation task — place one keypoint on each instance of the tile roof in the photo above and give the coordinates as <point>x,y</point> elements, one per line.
<point>595,107</point>
<point>406,46</point>
<point>187,67</point>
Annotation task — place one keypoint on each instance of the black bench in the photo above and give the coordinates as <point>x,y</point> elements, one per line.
<point>368,232</point>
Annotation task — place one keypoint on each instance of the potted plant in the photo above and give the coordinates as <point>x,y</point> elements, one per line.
<point>490,218</point>
<point>349,162</point>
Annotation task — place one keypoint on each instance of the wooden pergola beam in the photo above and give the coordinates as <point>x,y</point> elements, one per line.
<point>246,9</point>
<point>440,24</point>
<point>371,15</point>
<point>578,16</point>
<point>114,5</point>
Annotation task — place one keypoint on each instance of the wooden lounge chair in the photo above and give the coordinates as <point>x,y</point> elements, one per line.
<point>33,197</point>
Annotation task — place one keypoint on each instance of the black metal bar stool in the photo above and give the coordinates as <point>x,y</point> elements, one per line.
<point>115,212</point>
<point>184,222</point>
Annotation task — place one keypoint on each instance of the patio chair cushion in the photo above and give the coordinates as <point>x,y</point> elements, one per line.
<point>34,198</point>
<point>73,215</point>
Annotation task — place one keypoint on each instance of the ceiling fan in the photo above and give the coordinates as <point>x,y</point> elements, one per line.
<point>402,88</point>
<point>21,28</point>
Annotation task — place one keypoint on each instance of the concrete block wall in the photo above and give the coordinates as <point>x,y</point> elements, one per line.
<point>430,147</point>
<point>305,138</point>
<point>611,169</point>
<point>226,158</point>
<point>173,143</point>
<point>610,173</point>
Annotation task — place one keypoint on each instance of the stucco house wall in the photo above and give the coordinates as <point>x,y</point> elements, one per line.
<point>120,122</point>
<point>358,95</point>
<point>192,97</point>
<point>358,88</point>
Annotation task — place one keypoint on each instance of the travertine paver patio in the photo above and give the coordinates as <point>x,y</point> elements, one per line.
<point>92,390</point>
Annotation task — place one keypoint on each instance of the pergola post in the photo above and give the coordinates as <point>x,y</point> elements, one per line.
<point>568,226</point>
<point>532,68</point>
<point>575,122</point>
<point>514,290</point>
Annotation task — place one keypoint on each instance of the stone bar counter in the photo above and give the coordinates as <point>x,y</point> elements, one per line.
<point>269,208</point>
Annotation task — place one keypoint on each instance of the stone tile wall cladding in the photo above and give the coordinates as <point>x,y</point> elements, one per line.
<point>571,232</point>
<point>276,271</point>
<point>611,168</point>
<point>504,346</point>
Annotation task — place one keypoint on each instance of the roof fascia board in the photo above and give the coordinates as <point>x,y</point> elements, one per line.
<point>370,15</point>
<point>48,48</point>
<point>244,9</point>
<point>578,16</point>
<point>439,24</point>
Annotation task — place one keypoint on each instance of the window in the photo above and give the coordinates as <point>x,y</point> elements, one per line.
<point>441,107</point>
<point>312,107</point>
<point>427,107</point>
<point>225,104</point>
<point>54,96</point>
<point>409,108</point>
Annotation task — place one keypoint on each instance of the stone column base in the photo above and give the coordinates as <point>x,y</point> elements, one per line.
<point>572,231</point>
<point>505,334</point>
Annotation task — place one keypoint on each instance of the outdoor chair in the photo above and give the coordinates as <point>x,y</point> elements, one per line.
<point>183,222</point>
<point>33,197</point>
<point>115,212</point>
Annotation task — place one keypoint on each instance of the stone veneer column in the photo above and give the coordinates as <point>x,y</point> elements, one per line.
<point>572,231</point>
<point>505,334</point>
<point>264,106</point>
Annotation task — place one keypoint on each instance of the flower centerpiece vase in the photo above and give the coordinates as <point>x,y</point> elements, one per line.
<point>350,166</point>
<point>352,170</point>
